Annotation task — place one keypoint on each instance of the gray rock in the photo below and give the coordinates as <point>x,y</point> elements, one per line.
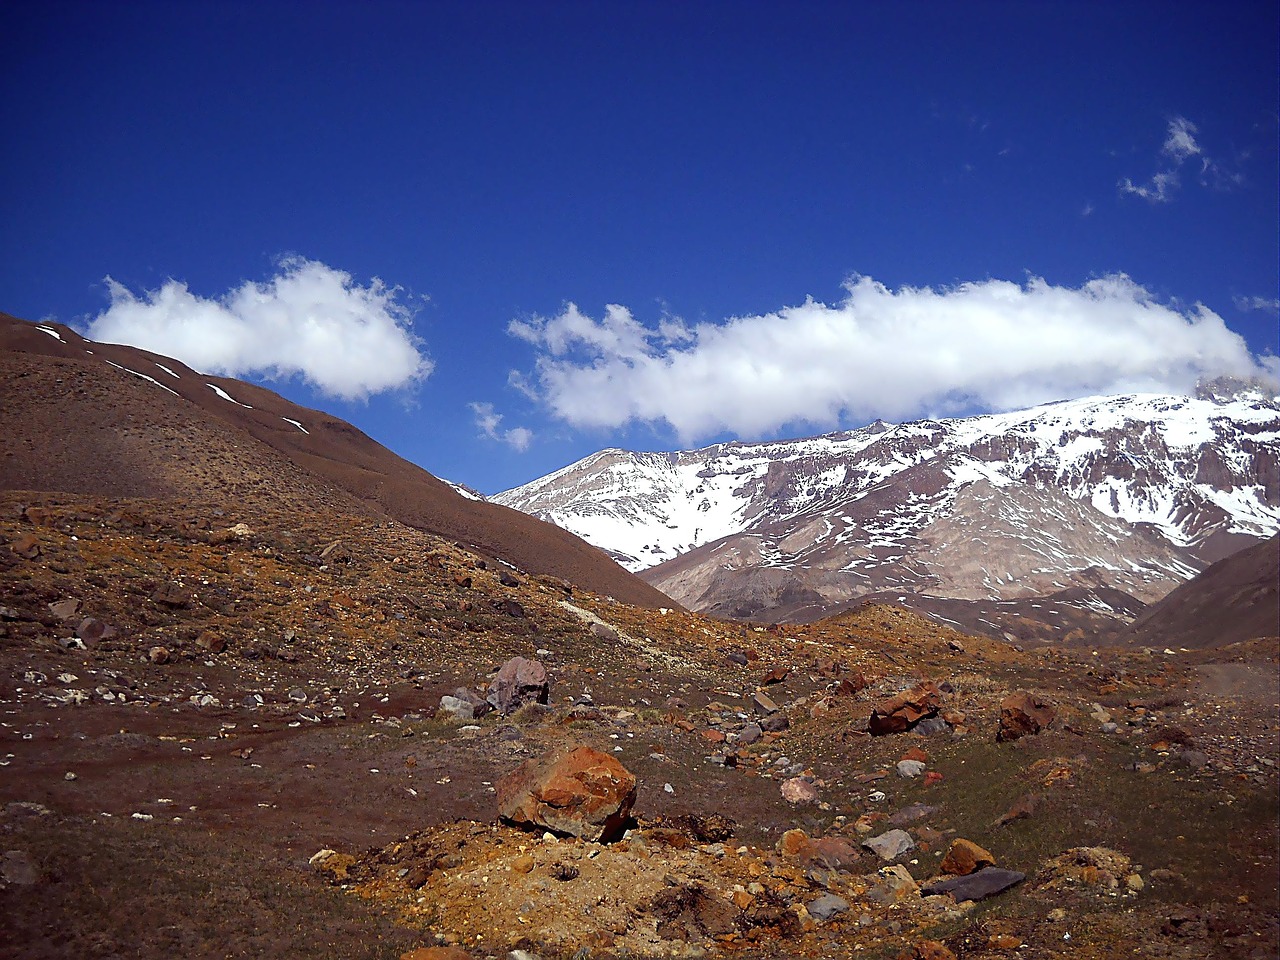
<point>763,703</point>
<point>92,631</point>
<point>775,722</point>
<point>984,883</point>
<point>895,884</point>
<point>909,814</point>
<point>479,705</point>
<point>16,868</point>
<point>750,733</point>
<point>827,906</point>
<point>890,845</point>
<point>459,709</point>
<point>604,631</point>
<point>1195,759</point>
<point>519,681</point>
<point>65,609</point>
<point>910,768</point>
<point>932,725</point>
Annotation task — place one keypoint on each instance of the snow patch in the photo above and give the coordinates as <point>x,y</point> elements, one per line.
<point>143,376</point>
<point>226,396</point>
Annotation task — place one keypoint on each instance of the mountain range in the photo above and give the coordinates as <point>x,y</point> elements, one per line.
<point>1065,517</point>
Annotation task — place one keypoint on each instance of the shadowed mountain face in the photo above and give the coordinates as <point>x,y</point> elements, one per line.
<point>1235,599</point>
<point>111,420</point>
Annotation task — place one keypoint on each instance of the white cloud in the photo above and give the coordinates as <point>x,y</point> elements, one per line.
<point>889,353</point>
<point>1179,146</point>
<point>489,422</point>
<point>1180,142</point>
<point>310,321</point>
<point>1159,189</point>
<point>1262,304</point>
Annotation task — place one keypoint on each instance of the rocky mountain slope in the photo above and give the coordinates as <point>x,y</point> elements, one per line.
<point>234,740</point>
<point>83,417</point>
<point>1130,493</point>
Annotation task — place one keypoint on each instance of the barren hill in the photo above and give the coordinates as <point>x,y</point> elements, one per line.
<point>84,417</point>
<point>1236,599</point>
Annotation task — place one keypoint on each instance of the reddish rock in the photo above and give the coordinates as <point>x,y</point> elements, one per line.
<point>213,642</point>
<point>26,546</point>
<point>584,792</point>
<point>852,685</point>
<point>518,682</point>
<point>1022,808</point>
<point>1023,713</point>
<point>776,675</point>
<point>713,736</point>
<point>932,950</point>
<point>39,516</point>
<point>915,753</point>
<point>794,843</point>
<point>835,852</point>
<point>158,655</point>
<point>899,713</point>
<point>964,857</point>
<point>436,953</point>
<point>172,595</point>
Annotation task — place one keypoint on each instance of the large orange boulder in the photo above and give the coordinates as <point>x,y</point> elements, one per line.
<point>901,712</point>
<point>583,792</point>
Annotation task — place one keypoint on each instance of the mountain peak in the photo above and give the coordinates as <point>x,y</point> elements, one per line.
<point>1135,492</point>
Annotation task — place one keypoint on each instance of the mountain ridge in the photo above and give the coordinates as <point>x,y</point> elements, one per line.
<point>1136,492</point>
<point>150,426</point>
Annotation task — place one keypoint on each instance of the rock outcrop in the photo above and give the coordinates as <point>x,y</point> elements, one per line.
<point>583,792</point>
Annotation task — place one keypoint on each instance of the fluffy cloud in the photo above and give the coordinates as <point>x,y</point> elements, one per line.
<point>489,422</point>
<point>309,321</point>
<point>886,353</point>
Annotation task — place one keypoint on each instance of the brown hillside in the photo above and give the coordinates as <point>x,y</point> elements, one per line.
<point>105,419</point>
<point>1235,599</point>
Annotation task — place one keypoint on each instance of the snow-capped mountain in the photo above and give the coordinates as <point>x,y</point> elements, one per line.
<point>1136,493</point>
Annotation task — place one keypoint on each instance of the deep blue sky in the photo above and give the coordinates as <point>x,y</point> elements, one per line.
<point>700,160</point>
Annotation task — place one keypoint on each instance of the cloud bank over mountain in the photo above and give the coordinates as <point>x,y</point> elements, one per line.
<point>310,321</point>
<point>992,344</point>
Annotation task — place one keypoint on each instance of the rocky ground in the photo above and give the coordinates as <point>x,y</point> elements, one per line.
<point>223,737</point>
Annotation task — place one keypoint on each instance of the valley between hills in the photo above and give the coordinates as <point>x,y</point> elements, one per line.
<point>268,690</point>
